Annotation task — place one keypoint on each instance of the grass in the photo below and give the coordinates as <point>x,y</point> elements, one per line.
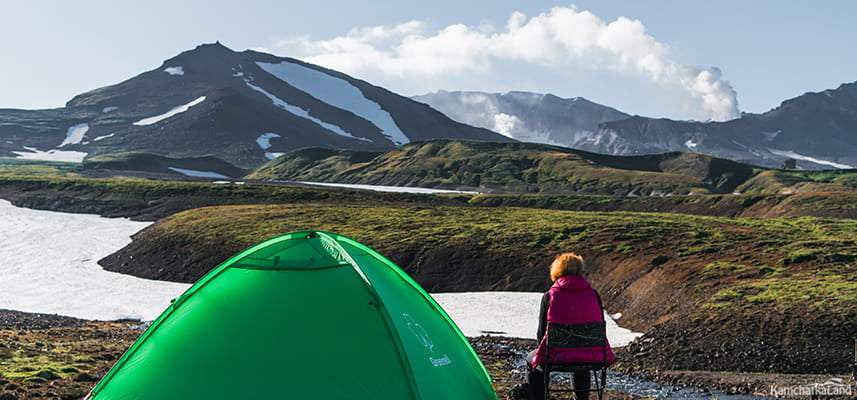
<point>26,353</point>
<point>700,246</point>
<point>16,166</point>
<point>836,292</point>
<point>520,167</point>
<point>528,167</point>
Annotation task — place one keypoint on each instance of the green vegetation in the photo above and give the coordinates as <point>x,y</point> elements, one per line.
<point>160,198</point>
<point>33,356</point>
<point>794,181</point>
<point>528,167</point>
<point>699,246</point>
<point>830,292</point>
<point>19,166</point>
<point>516,167</point>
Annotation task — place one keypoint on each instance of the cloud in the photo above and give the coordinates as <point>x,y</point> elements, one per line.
<point>559,38</point>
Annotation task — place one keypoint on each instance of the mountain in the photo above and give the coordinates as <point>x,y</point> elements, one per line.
<point>241,107</point>
<point>524,116</point>
<point>512,168</point>
<point>818,130</point>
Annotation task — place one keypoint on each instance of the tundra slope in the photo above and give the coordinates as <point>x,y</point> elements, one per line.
<point>771,295</point>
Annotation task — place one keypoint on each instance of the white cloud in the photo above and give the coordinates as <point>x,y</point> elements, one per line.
<point>559,38</point>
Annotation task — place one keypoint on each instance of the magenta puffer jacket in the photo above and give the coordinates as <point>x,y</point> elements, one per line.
<point>573,301</point>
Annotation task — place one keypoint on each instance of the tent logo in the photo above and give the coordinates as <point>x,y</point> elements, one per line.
<point>419,332</point>
<point>439,362</point>
<point>425,340</point>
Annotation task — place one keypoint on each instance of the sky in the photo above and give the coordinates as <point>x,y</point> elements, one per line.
<point>659,58</point>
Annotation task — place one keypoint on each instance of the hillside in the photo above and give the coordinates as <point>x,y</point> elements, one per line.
<point>773,295</point>
<point>535,168</point>
<point>244,108</point>
<point>512,167</point>
<point>143,162</point>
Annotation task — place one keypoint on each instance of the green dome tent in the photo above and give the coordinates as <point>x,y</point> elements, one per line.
<point>307,315</point>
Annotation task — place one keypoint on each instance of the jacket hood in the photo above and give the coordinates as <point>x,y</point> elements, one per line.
<point>572,283</point>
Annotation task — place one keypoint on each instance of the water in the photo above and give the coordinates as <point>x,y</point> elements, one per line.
<point>641,387</point>
<point>638,386</point>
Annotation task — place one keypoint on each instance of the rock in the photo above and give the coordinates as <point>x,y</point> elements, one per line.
<point>84,377</point>
<point>48,375</point>
<point>8,396</point>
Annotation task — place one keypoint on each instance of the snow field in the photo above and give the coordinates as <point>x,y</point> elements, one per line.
<point>175,110</point>
<point>300,112</point>
<point>199,174</point>
<point>48,264</point>
<point>174,70</point>
<point>796,156</point>
<point>338,93</point>
<point>382,188</point>
<point>75,134</point>
<point>51,155</point>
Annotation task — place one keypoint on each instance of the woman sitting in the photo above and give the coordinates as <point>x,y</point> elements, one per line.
<point>569,301</point>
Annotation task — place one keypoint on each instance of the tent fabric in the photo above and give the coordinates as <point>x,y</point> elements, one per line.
<point>305,315</point>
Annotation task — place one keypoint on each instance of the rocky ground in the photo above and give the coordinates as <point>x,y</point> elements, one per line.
<point>54,357</point>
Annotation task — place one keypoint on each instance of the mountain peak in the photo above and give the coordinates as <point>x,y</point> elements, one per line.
<point>207,50</point>
<point>242,107</point>
<point>216,46</point>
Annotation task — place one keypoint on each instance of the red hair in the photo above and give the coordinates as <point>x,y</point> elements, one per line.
<point>566,264</point>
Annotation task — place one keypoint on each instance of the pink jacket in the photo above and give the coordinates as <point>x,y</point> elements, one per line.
<point>573,301</point>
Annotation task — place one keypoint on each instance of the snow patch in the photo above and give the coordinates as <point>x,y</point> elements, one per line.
<point>51,155</point>
<point>753,152</point>
<point>338,93</point>
<point>796,156</point>
<point>104,137</point>
<point>175,110</point>
<point>109,109</point>
<point>272,156</point>
<point>174,70</point>
<point>199,174</point>
<point>264,140</point>
<point>770,136</point>
<point>690,144</point>
<point>382,188</point>
<point>504,124</point>
<point>74,134</point>
<point>512,314</point>
<point>50,265</point>
<point>300,112</point>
